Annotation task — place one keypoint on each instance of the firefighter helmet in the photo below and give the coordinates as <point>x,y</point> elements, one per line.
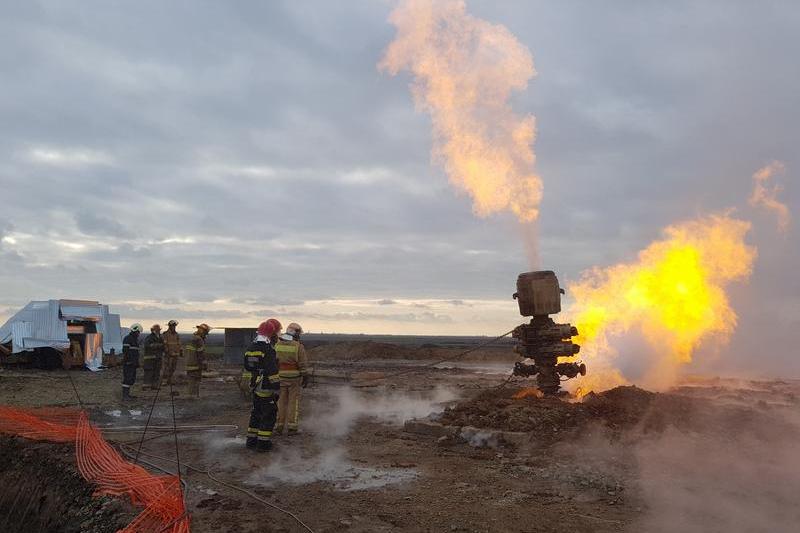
<point>294,329</point>
<point>136,328</point>
<point>155,327</point>
<point>276,324</point>
<point>172,323</point>
<point>267,329</point>
<point>205,327</point>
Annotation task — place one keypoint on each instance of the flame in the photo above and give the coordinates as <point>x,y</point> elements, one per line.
<point>528,392</point>
<point>767,197</point>
<point>464,71</point>
<point>674,294</point>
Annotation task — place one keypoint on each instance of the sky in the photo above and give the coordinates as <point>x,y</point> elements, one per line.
<point>225,162</point>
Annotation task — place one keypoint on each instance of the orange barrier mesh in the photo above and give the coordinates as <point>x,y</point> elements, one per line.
<point>102,465</point>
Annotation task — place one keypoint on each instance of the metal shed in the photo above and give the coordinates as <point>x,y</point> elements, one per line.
<point>82,330</point>
<point>236,342</point>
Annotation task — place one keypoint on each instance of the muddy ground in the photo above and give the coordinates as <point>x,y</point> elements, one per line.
<point>710,455</point>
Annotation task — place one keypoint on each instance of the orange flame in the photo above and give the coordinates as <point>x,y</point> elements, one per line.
<point>528,392</point>
<point>464,71</point>
<point>674,294</point>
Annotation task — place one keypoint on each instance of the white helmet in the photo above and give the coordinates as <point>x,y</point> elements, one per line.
<point>136,328</point>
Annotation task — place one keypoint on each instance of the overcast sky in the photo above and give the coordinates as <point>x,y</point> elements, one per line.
<point>225,161</point>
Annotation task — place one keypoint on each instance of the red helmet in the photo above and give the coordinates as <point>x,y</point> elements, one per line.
<point>269,328</point>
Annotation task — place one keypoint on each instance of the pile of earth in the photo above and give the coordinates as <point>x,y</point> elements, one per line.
<point>360,350</point>
<point>621,410</point>
<point>354,351</point>
<point>41,490</point>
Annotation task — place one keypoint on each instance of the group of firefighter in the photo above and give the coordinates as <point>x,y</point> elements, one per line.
<point>275,369</point>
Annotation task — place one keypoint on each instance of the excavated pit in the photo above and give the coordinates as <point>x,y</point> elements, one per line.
<point>42,491</point>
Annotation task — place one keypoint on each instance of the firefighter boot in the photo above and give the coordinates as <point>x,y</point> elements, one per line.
<point>126,394</point>
<point>252,442</point>
<point>264,445</point>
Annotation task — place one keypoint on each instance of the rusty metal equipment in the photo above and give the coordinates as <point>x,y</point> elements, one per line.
<point>543,340</point>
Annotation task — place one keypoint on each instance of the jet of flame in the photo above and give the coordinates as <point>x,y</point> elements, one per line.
<point>767,197</point>
<point>673,293</point>
<point>465,70</point>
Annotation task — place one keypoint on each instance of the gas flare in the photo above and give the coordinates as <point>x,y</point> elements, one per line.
<point>464,71</point>
<point>767,197</point>
<point>674,294</point>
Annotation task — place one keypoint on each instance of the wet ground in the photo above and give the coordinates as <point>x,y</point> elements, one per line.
<point>713,455</point>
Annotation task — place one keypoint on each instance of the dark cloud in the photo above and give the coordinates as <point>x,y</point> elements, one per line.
<point>91,223</point>
<point>386,301</point>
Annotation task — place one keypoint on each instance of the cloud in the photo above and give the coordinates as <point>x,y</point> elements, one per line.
<point>94,224</point>
<point>386,301</point>
<point>68,158</point>
<point>257,156</point>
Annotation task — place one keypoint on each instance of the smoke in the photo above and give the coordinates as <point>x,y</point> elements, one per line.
<point>465,70</point>
<point>348,406</point>
<point>737,475</point>
<point>326,459</point>
<point>767,197</point>
<point>673,295</point>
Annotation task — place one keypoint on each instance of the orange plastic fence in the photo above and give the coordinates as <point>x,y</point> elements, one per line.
<point>102,465</point>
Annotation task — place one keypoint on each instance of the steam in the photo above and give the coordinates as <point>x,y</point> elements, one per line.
<point>673,295</point>
<point>733,479</point>
<point>327,461</point>
<point>766,196</point>
<point>465,70</point>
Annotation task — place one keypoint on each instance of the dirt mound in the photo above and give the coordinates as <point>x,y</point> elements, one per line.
<point>354,351</point>
<point>41,490</point>
<point>362,350</point>
<point>619,409</point>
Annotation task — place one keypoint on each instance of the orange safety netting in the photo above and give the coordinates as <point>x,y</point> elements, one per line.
<point>104,467</point>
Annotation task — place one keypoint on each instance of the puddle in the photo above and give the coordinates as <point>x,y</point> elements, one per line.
<point>330,467</point>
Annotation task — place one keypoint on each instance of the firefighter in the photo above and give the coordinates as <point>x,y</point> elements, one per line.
<point>266,390</point>
<point>130,360</point>
<point>273,339</point>
<point>172,350</point>
<point>293,371</point>
<point>253,360</point>
<point>153,356</point>
<point>195,353</point>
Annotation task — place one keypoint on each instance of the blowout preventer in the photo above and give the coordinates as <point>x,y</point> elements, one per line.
<point>543,341</point>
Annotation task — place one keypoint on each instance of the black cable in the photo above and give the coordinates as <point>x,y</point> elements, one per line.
<point>149,416</point>
<point>175,432</point>
<point>434,363</point>
<point>75,389</point>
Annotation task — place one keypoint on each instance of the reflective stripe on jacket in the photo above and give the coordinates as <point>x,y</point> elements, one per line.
<point>172,343</point>
<point>291,359</point>
<point>195,353</point>
<point>267,384</point>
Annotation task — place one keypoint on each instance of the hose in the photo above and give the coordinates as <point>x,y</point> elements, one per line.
<point>223,483</point>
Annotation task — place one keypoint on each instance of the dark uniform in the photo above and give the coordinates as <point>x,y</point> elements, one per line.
<point>253,364</point>
<point>266,391</point>
<point>153,357</point>
<point>195,353</point>
<point>130,362</point>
